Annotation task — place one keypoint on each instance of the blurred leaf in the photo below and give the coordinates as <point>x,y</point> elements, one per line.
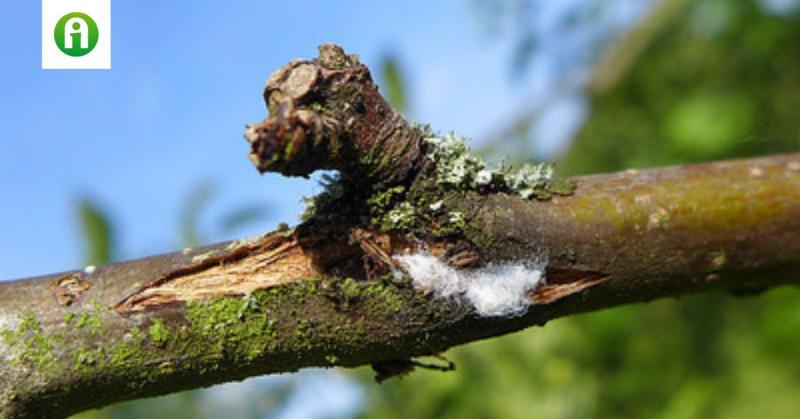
<point>97,233</point>
<point>194,205</point>
<point>697,90</point>
<point>394,83</point>
<point>709,125</point>
<point>243,216</point>
<point>523,54</point>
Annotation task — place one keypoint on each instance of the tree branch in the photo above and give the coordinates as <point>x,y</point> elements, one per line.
<point>332,292</point>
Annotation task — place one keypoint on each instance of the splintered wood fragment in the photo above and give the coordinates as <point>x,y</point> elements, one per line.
<point>561,282</point>
<point>376,247</point>
<point>248,266</point>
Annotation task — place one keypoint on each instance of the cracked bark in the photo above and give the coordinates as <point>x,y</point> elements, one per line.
<point>322,294</point>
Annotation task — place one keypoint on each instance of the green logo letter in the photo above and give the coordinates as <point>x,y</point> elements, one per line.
<point>76,34</point>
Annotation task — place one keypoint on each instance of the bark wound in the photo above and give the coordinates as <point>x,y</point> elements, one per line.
<point>562,282</point>
<point>559,283</point>
<point>245,268</point>
<point>324,113</point>
<point>661,233</point>
<point>68,289</point>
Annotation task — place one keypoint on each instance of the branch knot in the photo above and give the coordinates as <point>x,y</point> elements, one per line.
<point>327,113</point>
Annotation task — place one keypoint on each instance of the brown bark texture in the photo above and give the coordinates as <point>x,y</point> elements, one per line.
<point>331,292</point>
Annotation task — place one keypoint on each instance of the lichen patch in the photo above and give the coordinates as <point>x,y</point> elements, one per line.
<point>456,166</point>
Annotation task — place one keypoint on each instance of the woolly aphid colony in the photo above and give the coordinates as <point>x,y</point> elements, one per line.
<point>494,290</point>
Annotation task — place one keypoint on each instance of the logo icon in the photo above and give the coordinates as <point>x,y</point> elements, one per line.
<point>76,34</point>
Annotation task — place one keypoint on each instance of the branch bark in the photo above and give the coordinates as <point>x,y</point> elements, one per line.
<point>330,293</point>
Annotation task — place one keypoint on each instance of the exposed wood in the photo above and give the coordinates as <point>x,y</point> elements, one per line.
<point>329,293</point>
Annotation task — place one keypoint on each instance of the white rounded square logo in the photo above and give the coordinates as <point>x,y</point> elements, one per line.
<point>76,34</point>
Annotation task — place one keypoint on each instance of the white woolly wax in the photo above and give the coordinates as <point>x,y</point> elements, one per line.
<point>494,290</point>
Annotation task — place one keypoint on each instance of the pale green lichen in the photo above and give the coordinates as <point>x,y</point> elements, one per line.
<point>448,176</point>
<point>389,211</point>
<point>436,202</point>
<point>401,216</point>
<point>457,219</point>
<point>530,180</point>
<point>456,166</point>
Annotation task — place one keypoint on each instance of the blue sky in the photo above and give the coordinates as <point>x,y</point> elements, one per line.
<point>185,78</point>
